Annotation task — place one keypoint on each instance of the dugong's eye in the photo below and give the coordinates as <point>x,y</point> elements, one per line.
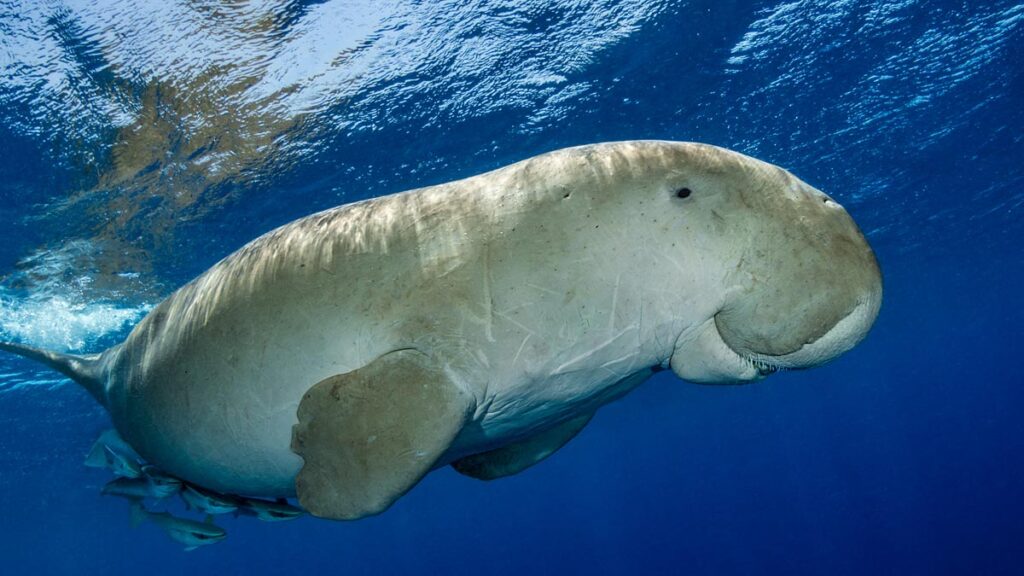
<point>683,193</point>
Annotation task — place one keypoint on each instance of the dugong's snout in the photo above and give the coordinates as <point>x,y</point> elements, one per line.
<point>804,288</point>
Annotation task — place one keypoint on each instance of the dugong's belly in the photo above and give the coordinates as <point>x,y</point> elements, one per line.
<point>215,406</point>
<point>218,409</point>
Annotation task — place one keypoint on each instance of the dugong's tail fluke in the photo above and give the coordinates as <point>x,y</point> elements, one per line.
<point>86,370</point>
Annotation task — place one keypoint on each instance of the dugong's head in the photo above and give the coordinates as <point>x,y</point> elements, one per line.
<point>795,283</point>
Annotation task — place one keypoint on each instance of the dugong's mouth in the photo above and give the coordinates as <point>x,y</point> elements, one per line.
<point>763,367</point>
<point>706,355</point>
<point>846,333</point>
<point>757,365</point>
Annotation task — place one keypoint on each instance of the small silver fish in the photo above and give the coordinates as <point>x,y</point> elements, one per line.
<point>109,451</point>
<point>131,488</point>
<point>161,484</point>
<point>140,488</point>
<point>189,532</point>
<point>207,501</point>
<point>268,510</point>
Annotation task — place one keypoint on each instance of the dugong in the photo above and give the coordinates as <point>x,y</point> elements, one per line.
<point>480,323</point>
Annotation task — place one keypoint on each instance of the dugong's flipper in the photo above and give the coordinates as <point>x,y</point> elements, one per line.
<point>515,458</point>
<point>370,435</point>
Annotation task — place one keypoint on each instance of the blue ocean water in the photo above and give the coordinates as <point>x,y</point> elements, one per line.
<point>140,142</point>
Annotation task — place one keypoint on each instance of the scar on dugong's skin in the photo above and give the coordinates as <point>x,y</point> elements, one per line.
<point>480,323</point>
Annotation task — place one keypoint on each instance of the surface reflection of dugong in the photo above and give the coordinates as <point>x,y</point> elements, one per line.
<point>480,323</point>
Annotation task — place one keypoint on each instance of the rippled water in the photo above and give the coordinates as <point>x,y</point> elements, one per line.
<point>142,141</point>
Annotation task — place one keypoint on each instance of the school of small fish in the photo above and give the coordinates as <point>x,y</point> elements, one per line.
<point>138,482</point>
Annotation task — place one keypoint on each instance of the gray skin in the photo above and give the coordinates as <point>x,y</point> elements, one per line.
<point>532,295</point>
